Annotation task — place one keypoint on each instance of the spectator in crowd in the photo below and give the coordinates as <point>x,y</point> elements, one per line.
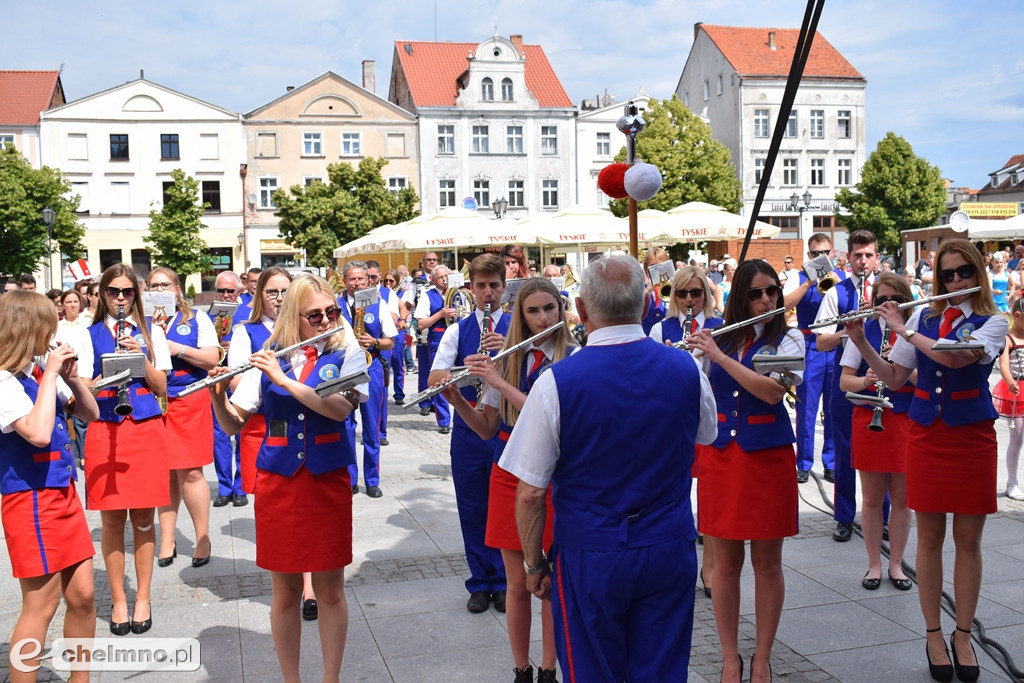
<point>1018,255</point>
<point>27,282</point>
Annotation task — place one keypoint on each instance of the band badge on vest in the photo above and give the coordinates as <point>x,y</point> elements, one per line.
<point>183,329</point>
<point>369,318</point>
<point>329,372</point>
<point>766,350</point>
<point>965,331</point>
<point>142,340</point>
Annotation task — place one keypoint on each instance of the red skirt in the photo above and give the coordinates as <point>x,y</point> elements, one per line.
<point>501,513</point>
<point>1007,403</point>
<point>45,530</point>
<point>884,451</point>
<point>303,522</point>
<point>126,465</point>
<point>748,496</point>
<point>952,469</point>
<point>189,425</point>
<point>250,439</point>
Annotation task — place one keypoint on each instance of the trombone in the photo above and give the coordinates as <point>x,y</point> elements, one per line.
<point>869,312</point>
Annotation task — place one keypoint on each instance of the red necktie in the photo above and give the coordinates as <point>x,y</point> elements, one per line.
<point>538,359</point>
<point>37,373</point>
<point>892,338</point>
<point>307,368</point>
<point>693,326</point>
<point>951,314</point>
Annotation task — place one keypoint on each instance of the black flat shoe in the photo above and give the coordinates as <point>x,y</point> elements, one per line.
<point>309,610</point>
<point>900,584</point>
<point>239,500</point>
<point>802,476</point>
<point>384,441</point>
<point>167,561</point>
<point>843,532</point>
<point>498,598</point>
<point>872,584</point>
<point>374,491</point>
<point>830,476</point>
<point>707,591</point>
<point>221,501</point>
<point>967,673</point>
<point>143,626</point>
<point>939,672</point>
<point>202,561</point>
<point>478,602</point>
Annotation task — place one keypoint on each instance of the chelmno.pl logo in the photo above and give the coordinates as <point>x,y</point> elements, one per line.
<point>109,654</point>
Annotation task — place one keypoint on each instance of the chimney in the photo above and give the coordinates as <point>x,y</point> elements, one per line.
<point>517,40</point>
<point>771,40</point>
<point>142,74</point>
<point>289,88</point>
<point>696,29</point>
<point>369,78</point>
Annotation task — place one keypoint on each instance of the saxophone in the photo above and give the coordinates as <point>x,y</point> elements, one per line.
<point>359,328</point>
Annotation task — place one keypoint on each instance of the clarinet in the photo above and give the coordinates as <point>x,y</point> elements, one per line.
<point>485,328</point>
<point>688,322</point>
<point>876,418</point>
<point>124,396</point>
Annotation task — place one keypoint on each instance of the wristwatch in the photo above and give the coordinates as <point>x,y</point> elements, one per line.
<point>907,334</point>
<point>181,352</point>
<point>536,568</point>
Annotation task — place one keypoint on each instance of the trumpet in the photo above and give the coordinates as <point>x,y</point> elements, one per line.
<point>463,375</point>
<point>124,395</point>
<point>868,312</point>
<point>718,331</point>
<point>485,328</point>
<point>828,282</point>
<point>665,288</point>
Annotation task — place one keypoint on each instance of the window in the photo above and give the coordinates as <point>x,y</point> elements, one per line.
<point>817,172</point>
<point>759,169</point>
<point>209,146</point>
<point>267,187</point>
<point>446,139</point>
<point>721,88</point>
<point>120,199</point>
<point>760,123</point>
<point>514,139</point>
<point>308,180</point>
<point>707,91</point>
<point>141,263</point>
<point>169,146</point>
<point>845,167</point>
<point>6,140</point>
<point>549,140</point>
<point>311,145</point>
<point>482,192</point>
<point>397,183</point>
<point>549,194</point>
<point>789,172</point>
<point>791,125</point>
<point>396,144</point>
<point>78,146</point>
<point>82,190</point>
<point>844,124</point>
<point>516,194</point>
<point>110,257</point>
<point>211,195</point>
<point>604,144</point>
<point>445,193</point>
<point>506,90</point>
<point>480,141</point>
<point>165,196</point>
<point>487,90</point>
<point>118,146</point>
<point>266,144</point>
<point>351,144</point>
<point>817,123</point>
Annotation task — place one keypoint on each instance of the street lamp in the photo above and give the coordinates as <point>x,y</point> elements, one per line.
<point>499,206</point>
<point>49,218</point>
<point>795,205</point>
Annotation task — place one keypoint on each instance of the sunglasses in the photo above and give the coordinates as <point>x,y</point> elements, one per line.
<point>114,292</point>
<point>372,277</point>
<point>965,271</point>
<point>275,293</point>
<point>693,293</point>
<point>816,254</point>
<point>879,300</point>
<point>315,319</point>
<point>159,286</point>
<point>755,293</point>
<point>389,281</point>
<point>226,291</point>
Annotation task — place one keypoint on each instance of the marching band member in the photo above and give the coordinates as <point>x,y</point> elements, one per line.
<point>880,457</point>
<point>538,306</point>
<point>471,455</point>
<point>750,464</point>
<point>126,456</point>
<point>432,315</point>
<point>373,279</point>
<point>392,281</point>
<point>193,345</point>
<point>1007,397</point>
<point>654,307</point>
<point>951,447</point>
<point>377,338</point>
<point>225,451</point>
<point>304,507</point>
<point>47,536</point>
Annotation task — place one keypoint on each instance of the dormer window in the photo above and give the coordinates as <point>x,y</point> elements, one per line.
<point>506,90</point>
<point>487,90</point>
<point>995,179</point>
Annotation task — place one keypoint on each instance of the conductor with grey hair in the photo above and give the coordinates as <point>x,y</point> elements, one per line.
<point>623,555</point>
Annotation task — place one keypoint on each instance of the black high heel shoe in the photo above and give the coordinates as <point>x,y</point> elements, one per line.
<point>167,561</point>
<point>143,626</point>
<point>939,672</point>
<point>707,591</point>
<point>964,672</point>
<point>119,628</point>
<point>202,561</point>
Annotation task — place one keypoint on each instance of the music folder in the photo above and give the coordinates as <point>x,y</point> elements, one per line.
<point>764,363</point>
<point>335,386</point>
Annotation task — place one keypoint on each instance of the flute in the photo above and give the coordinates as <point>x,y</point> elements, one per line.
<point>735,326</point>
<point>245,367</point>
<point>867,313</point>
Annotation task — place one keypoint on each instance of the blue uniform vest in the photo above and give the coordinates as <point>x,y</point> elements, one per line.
<point>963,391</point>
<point>753,423</point>
<point>847,301</point>
<point>901,397</point>
<point>143,401</point>
<point>310,439</point>
<point>26,467</point>
<point>435,331</point>
<point>596,508</point>
<point>183,373</point>
<point>385,297</point>
<point>469,343</point>
<point>654,313</point>
<point>672,329</point>
<point>258,336</point>
<point>526,381</point>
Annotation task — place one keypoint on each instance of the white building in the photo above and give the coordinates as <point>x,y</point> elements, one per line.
<point>597,143</point>
<point>118,148</point>
<point>735,77</point>
<point>494,122</point>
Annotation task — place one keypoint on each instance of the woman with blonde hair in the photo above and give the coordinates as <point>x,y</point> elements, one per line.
<point>192,342</point>
<point>304,508</point>
<point>951,446</point>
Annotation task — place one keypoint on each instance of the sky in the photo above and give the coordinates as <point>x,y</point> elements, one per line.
<point>946,75</point>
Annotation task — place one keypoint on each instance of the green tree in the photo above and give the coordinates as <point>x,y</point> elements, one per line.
<point>898,190</point>
<point>24,193</point>
<point>694,166</point>
<point>173,237</point>
<point>353,201</point>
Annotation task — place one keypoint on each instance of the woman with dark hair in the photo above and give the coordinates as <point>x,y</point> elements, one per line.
<point>750,465</point>
<point>515,262</point>
<point>951,445</point>
<point>72,330</point>
<point>126,456</point>
<point>192,342</point>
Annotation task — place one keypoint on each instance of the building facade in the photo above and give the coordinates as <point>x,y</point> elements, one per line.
<point>291,141</point>
<point>23,95</point>
<point>494,123</point>
<point>118,148</point>
<point>735,77</point>
<point>597,142</point>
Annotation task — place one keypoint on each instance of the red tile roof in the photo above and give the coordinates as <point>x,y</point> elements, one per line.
<point>433,70</point>
<point>23,94</point>
<point>749,53</point>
